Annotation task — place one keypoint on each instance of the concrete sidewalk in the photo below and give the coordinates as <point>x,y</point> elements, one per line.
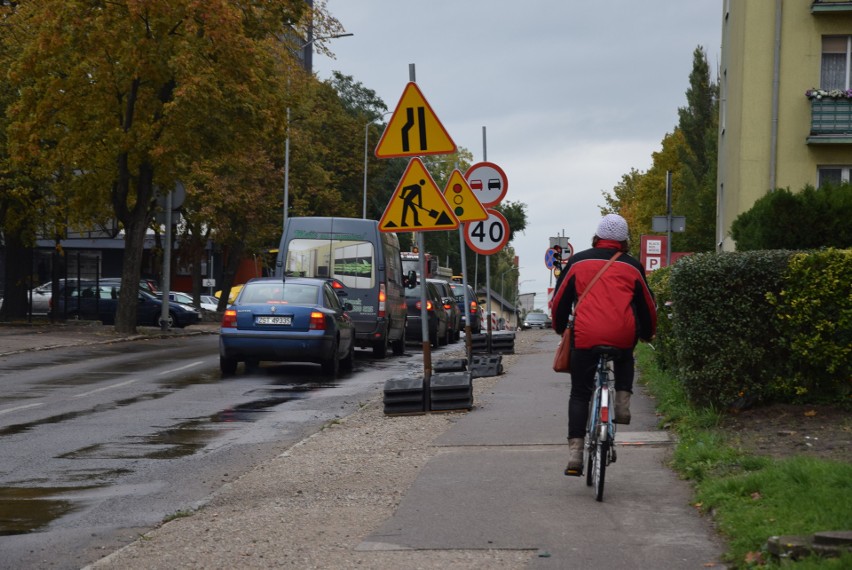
<point>498,483</point>
<point>43,335</point>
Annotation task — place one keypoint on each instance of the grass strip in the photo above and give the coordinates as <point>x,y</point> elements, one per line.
<point>750,497</point>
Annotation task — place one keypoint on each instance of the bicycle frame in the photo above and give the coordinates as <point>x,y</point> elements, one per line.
<point>599,449</point>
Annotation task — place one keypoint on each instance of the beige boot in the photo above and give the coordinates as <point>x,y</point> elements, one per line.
<point>575,457</point>
<point>622,407</point>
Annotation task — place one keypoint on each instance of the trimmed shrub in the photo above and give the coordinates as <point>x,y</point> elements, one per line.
<point>814,318</point>
<point>727,349</point>
<point>664,343</point>
<point>809,219</point>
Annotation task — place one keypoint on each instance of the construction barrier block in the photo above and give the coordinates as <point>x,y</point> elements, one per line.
<point>454,365</point>
<point>503,342</point>
<point>451,391</point>
<point>486,365</point>
<point>479,342</point>
<point>404,395</point>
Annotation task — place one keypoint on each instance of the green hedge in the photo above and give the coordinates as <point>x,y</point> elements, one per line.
<point>757,326</point>
<point>727,349</point>
<point>809,219</point>
<point>814,313</point>
<point>664,343</point>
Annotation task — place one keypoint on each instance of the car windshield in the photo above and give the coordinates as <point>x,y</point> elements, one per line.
<point>537,317</point>
<point>273,293</point>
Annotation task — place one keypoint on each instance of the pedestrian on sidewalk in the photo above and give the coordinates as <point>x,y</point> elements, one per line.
<point>617,311</point>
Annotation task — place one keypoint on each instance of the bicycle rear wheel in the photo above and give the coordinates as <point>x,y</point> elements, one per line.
<point>600,460</point>
<point>588,460</point>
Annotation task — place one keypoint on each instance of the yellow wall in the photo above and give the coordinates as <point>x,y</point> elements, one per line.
<point>747,85</point>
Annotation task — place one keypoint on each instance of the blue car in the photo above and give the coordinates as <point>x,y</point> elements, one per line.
<point>295,319</point>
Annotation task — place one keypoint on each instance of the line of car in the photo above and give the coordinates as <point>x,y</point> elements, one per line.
<point>97,299</point>
<point>306,319</point>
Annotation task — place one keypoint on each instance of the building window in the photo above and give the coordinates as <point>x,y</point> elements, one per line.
<point>833,175</point>
<point>836,62</point>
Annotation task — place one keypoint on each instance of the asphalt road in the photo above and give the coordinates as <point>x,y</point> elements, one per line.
<point>102,442</point>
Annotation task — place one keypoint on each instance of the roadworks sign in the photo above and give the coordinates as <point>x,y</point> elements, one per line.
<point>417,204</point>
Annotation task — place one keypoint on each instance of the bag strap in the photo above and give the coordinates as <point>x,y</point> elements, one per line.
<point>596,277</point>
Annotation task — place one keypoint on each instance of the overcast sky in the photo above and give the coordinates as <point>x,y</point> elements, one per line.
<point>572,94</point>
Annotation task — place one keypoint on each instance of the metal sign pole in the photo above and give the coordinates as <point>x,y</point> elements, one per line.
<point>668,218</point>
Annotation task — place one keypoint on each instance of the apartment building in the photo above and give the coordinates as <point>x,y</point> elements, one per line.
<point>785,101</point>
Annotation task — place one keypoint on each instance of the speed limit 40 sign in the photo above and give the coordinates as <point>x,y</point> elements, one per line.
<point>487,236</point>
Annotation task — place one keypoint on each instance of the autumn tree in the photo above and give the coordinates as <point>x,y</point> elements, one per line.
<point>689,153</point>
<point>128,95</point>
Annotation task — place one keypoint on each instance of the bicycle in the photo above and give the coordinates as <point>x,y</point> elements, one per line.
<point>599,448</point>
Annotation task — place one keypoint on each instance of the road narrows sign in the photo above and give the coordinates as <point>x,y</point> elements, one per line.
<point>414,129</point>
<point>417,204</point>
<point>488,236</point>
<point>462,200</point>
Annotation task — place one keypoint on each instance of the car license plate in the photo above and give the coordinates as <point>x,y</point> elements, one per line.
<point>274,320</point>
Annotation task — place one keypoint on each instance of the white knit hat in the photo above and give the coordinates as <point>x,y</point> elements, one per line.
<point>614,227</point>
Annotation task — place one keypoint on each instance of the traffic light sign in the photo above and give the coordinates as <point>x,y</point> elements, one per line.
<point>557,260</point>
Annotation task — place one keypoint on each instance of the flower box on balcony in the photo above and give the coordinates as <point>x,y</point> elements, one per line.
<point>831,118</point>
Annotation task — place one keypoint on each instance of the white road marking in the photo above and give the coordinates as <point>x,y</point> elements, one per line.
<point>10,410</point>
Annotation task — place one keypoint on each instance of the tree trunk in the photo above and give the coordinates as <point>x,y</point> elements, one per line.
<point>229,271</point>
<point>19,263</point>
<point>135,223</point>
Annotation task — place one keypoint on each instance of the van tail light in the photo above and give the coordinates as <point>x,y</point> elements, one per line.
<point>229,319</point>
<point>447,306</point>
<point>383,297</point>
<point>317,321</point>
<point>428,305</point>
<point>473,308</point>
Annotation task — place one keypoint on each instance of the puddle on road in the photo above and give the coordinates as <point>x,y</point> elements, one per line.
<point>20,428</point>
<point>28,509</point>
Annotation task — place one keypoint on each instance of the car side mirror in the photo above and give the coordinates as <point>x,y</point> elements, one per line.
<point>410,281</point>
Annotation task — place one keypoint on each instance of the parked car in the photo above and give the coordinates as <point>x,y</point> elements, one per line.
<point>209,303</point>
<point>40,297</point>
<point>98,300</point>
<point>448,299</point>
<point>437,315</point>
<point>536,321</point>
<point>296,320</point>
<point>178,297</point>
<point>474,311</point>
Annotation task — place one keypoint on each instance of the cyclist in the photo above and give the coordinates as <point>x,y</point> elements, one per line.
<point>617,311</point>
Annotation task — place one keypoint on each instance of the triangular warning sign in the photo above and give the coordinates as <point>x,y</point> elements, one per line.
<point>414,129</point>
<point>462,200</point>
<point>417,204</point>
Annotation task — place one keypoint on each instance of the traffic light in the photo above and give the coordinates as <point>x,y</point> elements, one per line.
<point>557,260</point>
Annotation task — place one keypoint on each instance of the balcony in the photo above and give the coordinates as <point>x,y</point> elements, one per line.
<point>830,6</point>
<point>831,121</point>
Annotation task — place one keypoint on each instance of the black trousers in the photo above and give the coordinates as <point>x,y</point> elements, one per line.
<point>583,366</point>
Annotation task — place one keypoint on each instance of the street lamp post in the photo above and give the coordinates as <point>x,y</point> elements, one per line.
<point>287,140</point>
<point>502,275</point>
<point>366,154</point>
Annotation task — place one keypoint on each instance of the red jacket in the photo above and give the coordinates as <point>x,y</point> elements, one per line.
<point>618,310</point>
